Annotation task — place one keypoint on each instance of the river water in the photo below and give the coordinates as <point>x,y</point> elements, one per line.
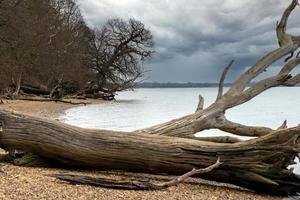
<point>146,107</point>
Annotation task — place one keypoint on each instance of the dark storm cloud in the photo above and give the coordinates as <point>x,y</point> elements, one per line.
<point>195,39</point>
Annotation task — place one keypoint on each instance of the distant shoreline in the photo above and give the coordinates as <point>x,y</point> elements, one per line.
<point>177,85</point>
<point>183,85</point>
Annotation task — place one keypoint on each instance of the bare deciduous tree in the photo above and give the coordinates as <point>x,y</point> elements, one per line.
<point>117,51</point>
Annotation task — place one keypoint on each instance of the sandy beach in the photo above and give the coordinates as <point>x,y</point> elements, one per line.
<point>34,183</point>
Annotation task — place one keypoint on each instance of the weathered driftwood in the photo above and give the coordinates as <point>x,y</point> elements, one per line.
<point>260,164</point>
<point>59,91</point>
<point>133,184</point>
<point>29,89</point>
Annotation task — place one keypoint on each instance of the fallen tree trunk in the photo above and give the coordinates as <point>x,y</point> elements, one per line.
<point>260,164</point>
<point>28,89</point>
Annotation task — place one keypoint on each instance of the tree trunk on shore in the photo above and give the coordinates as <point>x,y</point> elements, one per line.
<point>260,164</point>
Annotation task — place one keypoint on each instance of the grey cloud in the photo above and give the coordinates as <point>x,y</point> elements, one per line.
<point>195,39</point>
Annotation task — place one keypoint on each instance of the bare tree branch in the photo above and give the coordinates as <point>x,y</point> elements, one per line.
<point>283,126</point>
<point>262,86</point>
<point>282,78</point>
<point>200,103</point>
<point>258,68</point>
<point>281,27</point>
<point>241,130</point>
<point>287,43</point>
<point>222,79</point>
<point>183,177</point>
<point>133,184</point>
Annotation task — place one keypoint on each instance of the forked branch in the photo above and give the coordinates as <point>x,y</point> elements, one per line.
<point>287,43</point>
<point>260,66</point>
<point>133,184</point>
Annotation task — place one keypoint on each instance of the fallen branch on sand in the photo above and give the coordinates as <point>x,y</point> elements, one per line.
<point>133,184</point>
<point>50,100</point>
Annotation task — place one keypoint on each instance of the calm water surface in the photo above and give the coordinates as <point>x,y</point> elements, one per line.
<point>146,107</point>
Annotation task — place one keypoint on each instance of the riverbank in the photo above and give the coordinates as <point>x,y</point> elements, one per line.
<point>33,183</point>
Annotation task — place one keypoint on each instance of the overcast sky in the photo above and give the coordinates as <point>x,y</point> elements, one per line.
<point>195,39</point>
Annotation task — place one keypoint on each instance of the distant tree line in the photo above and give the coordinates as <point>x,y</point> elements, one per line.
<point>47,49</point>
<point>177,85</point>
<point>184,85</point>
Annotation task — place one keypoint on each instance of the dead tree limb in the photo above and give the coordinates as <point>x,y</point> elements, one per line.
<point>222,79</point>
<point>200,103</point>
<point>259,164</point>
<point>49,100</point>
<point>240,129</point>
<point>29,89</point>
<point>283,126</point>
<point>284,38</point>
<point>133,184</point>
